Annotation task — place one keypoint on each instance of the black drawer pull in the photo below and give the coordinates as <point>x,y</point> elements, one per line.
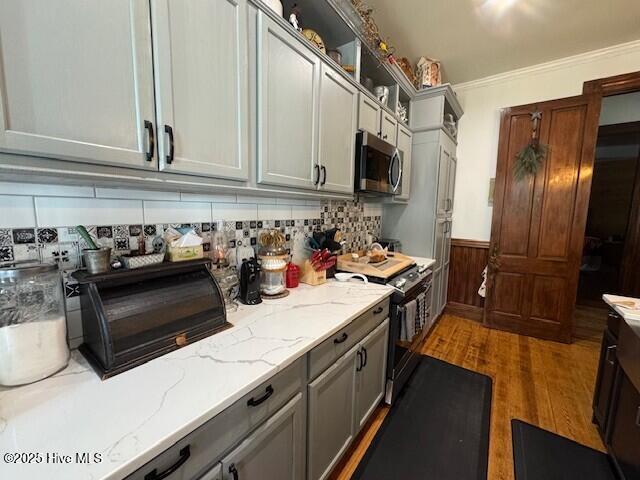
<point>169,131</point>
<point>341,339</point>
<point>152,140</point>
<point>638,417</point>
<point>185,453</point>
<point>378,310</point>
<point>254,402</point>
<point>233,471</point>
<point>359,366</point>
<point>610,350</point>
<point>316,174</point>
<point>324,175</point>
<point>364,353</point>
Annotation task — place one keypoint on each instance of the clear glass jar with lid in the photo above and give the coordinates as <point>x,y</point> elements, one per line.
<point>33,325</point>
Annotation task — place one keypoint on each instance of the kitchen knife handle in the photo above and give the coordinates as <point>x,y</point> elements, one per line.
<point>341,339</point>
<point>185,453</point>
<point>169,131</point>
<point>254,402</point>
<point>152,140</point>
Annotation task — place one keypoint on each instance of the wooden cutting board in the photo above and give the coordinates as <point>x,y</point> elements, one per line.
<point>386,269</point>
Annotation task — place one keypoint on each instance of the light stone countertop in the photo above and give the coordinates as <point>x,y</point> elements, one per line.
<point>133,417</point>
<point>630,315</point>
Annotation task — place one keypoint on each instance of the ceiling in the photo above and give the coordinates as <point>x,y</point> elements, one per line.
<point>478,38</point>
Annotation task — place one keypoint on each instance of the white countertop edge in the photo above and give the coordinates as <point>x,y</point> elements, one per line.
<point>627,314</point>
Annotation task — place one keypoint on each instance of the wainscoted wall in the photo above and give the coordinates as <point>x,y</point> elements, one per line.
<point>468,260</point>
<point>37,222</point>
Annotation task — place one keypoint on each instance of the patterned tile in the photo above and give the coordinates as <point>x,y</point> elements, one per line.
<point>6,254</point>
<point>205,227</point>
<point>104,232</point>
<point>150,230</point>
<point>121,231</point>
<point>26,252</point>
<point>47,235</point>
<point>24,235</point>
<point>71,290</point>
<point>122,243</point>
<point>5,237</point>
<point>135,230</point>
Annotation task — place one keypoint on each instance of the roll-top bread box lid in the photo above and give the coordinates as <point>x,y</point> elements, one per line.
<point>132,316</point>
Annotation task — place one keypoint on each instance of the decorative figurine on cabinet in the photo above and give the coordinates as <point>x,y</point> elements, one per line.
<point>294,17</point>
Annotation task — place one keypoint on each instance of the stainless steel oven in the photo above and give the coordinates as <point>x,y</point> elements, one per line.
<point>403,353</point>
<point>378,166</point>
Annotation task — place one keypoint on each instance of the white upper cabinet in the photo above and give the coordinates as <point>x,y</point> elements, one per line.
<point>77,80</point>
<point>389,128</point>
<point>369,115</point>
<point>338,109</point>
<point>202,86</point>
<point>405,139</point>
<point>288,86</point>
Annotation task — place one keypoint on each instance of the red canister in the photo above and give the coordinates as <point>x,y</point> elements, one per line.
<point>292,276</point>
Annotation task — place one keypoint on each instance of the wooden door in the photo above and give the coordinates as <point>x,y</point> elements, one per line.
<point>288,84</point>
<point>369,115</point>
<point>372,374</point>
<point>202,87</point>
<point>275,451</point>
<point>538,225</point>
<point>76,81</point>
<point>338,109</point>
<point>404,143</point>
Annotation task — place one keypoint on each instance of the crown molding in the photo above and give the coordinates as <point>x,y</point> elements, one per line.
<point>613,51</point>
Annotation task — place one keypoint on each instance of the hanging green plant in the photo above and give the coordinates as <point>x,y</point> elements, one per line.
<point>529,159</point>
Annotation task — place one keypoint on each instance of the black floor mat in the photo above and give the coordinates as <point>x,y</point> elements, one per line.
<point>542,455</point>
<point>437,429</point>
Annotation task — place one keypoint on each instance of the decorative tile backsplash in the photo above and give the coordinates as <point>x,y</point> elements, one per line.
<point>38,235</point>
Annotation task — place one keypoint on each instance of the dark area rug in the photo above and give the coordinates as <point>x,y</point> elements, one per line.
<point>437,429</point>
<point>542,455</point>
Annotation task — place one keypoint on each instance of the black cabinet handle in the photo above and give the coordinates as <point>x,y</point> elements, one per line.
<point>610,350</point>
<point>341,339</point>
<point>384,137</point>
<point>169,131</point>
<point>254,402</point>
<point>152,140</point>
<point>185,453</point>
<point>364,353</point>
<point>359,367</point>
<point>316,174</point>
<point>233,471</point>
<point>324,175</point>
<point>378,310</point>
<point>380,134</point>
<point>638,417</point>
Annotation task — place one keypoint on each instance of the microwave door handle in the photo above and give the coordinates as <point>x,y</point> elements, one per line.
<point>395,158</point>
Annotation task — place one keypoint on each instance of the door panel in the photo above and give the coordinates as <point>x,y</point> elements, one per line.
<point>338,117</point>
<point>443,181</point>
<point>288,78</point>
<point>201,83</point>
<point>538,224</point>
<point>275,451</point>
<point>389,128</point>
<point>451,179</point>
<point>369,115</point>
<point>75,88</point>
<point>405,138</point>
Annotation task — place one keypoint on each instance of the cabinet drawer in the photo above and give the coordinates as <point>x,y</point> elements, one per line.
<point>216,437</point>
<point>338,344</point>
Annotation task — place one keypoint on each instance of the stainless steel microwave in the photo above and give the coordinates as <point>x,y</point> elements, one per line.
<point>378,166</point>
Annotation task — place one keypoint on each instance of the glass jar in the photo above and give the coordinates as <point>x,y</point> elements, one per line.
<point>272,280</point>
<point>33,324</point>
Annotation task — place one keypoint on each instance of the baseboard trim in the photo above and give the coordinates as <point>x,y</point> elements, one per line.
<point>470,312</point>
<point>463,242</point>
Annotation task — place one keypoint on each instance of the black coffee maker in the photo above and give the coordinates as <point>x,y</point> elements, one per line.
<point>250,282</point>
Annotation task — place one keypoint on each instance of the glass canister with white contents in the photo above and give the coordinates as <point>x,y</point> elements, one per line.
<point>33,324</point>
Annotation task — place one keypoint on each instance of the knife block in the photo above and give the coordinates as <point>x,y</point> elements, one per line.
<point>310,276</point>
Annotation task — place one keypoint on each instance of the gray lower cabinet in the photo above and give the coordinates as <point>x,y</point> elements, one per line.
<point>275,451</point>
<point>371,374</point>
<point>214,474</point>
<point>342,398</point>
<point>331,413</point>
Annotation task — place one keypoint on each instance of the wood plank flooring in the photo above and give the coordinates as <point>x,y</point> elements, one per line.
<point>544,383</point>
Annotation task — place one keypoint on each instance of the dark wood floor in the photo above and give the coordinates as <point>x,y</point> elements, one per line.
<point>544,383</point>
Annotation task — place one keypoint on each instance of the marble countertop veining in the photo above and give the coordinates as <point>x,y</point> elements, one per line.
<point>131,418</point>
<point>631,315</point>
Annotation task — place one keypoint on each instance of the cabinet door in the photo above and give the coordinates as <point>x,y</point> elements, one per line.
<point>439,245</point>
<point>369,115</point>
<point>444,285</point>
<point>331,414</point>
<point>372,374</point>
<point>77,80</point>
<point>436,292</point>
<point>604,383</point>
<point>338,108</point>
<point>624,437</point>
<point>405,138</point>
<point>275,451</point>
<point>214,474</point>
<point>201,86</point>
<point>446,249</point>
<point>444,162</point>
<point>389,128</point>
<point>288,78</point>
<point>451,184</point>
